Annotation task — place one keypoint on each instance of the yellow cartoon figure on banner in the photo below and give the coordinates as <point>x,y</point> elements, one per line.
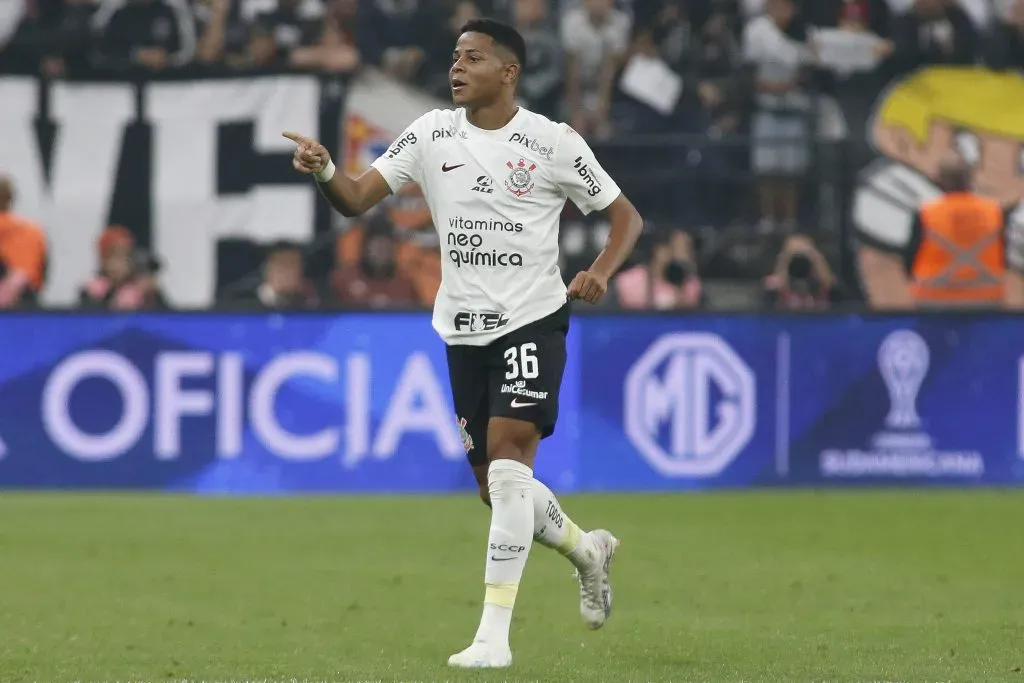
<point>977,112</point>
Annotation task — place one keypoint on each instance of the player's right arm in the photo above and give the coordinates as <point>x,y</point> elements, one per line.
<point>350,196</point>
<point>397,167</point>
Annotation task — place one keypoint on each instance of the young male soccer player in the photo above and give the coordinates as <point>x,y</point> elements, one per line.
<point>496,177</point>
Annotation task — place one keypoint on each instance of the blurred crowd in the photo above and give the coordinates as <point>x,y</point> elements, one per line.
<point>780,73</point>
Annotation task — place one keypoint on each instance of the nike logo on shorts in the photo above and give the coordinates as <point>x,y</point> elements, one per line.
<point>445,167</point>
<point>517,404</point>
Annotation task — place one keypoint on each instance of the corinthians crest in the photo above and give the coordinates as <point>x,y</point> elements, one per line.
<point>520,180</point>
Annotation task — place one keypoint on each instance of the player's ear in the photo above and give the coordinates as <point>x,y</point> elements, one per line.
<point>512,71</point>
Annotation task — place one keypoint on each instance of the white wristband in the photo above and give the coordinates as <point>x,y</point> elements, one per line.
<point>326,174</point>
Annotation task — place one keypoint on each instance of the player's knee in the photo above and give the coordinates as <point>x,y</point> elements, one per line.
<point>506,450</point>
<point>512,440</point>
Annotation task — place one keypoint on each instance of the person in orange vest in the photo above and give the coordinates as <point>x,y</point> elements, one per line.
<point>954,255</point>
<point>22,253</point>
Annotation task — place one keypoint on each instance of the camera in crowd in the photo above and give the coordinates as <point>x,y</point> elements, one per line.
<point>678,271</point>
<point>146,263</point>
<point>800,274</point>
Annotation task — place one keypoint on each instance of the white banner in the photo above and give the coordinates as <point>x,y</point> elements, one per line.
<point>68,181</point>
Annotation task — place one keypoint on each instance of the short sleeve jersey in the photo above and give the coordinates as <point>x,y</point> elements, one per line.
<point>495,197</point>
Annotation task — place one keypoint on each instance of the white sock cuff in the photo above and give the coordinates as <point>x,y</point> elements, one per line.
<point>509,472</point>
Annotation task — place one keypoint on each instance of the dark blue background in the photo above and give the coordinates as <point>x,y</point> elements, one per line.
<point>817,387</point>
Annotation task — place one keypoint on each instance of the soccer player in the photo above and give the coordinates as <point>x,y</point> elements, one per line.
<point>496,178</point>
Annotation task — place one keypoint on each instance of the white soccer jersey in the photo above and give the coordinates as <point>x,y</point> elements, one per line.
<point>496,197</point>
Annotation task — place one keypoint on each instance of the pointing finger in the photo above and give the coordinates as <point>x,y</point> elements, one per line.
<point>296,137</point>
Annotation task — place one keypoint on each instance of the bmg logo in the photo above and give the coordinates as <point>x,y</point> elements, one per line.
<point>690,405</point>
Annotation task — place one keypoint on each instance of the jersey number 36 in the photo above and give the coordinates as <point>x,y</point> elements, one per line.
<point>521,359</point>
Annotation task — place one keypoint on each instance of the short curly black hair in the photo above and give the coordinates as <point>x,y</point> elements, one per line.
<point>502,34</point>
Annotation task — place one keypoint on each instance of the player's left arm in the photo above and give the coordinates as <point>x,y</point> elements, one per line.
<point>590,188</point>
<point>592,284</point>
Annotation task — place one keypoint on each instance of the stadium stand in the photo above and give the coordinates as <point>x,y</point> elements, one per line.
<point>738,128</point>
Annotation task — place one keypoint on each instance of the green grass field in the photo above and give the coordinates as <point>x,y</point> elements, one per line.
<point>777,586</point>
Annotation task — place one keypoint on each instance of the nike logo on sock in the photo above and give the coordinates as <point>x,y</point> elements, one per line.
<point>445,167</point>
<point>501,559</point>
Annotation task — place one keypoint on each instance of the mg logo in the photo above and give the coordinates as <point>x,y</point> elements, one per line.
<point>690,405</point>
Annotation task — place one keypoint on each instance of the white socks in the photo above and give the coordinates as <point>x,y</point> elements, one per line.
<point>554,529</point>
<point>522,509</point>
<point>510,484</point>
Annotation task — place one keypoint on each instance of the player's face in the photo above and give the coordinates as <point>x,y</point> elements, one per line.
<point>479,70</point>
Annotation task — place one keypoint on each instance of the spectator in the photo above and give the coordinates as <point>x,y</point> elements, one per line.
<point>295,27</point>
<point>1006,48</point>
<point>595,37</point>
<point>152,34</point>
<point>853,46</point>
<point>147,277</point>
<point>665,29</point>
<point>55,37</point>
<point>393,34</point>
<point>543,73</point>
<point>802,279</point>
<point>723,93</point>
<point>780,128</point>
<point>22,253</point>
<point>335,51</point>
<point>752,8</point>
<point>223,35</point>
<point>668,281</point>
<point>374,281</point>
<point>699,53</point>
<point>284,285</point>
<point>722,88</point>
<point>662,36</point>
<point>933,32</point>
<point>438,54</point>
<point>126,280</point>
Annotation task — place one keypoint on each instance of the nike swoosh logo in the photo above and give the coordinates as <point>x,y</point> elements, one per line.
<point>445,167</point>
<point>501,559</point>
<point>517,404</point>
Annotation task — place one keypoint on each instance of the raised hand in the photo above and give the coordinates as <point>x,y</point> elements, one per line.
<point>310,156</point>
